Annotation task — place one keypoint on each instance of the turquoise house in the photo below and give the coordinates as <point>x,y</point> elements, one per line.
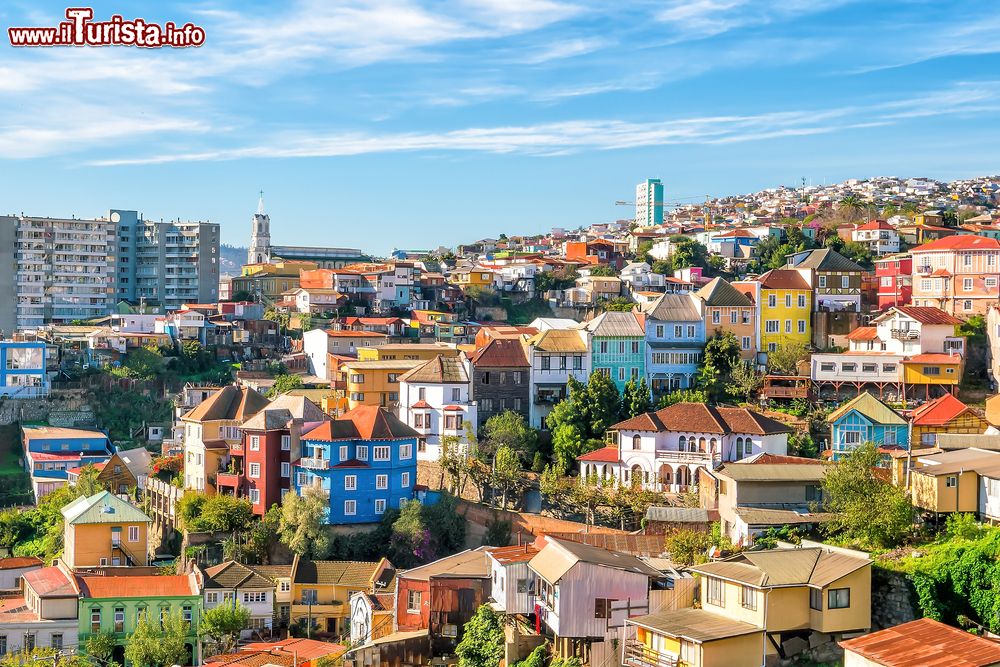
<point>866,419</point>
<point>618,346</point>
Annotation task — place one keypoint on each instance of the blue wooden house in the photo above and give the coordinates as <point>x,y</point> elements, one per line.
<point>22,369</point>
<point>866,419</point>
<point>49,452</point>
<point>365,460</point>
<point>618,346</point>
<point>675,342</point>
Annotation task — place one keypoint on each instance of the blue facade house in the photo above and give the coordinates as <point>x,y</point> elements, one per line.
<point>866,419</point>
<point>22,369</point>
<point>49,452</point>
<point>365,460</point>
<point>675,342</point>
<point>618,346</point>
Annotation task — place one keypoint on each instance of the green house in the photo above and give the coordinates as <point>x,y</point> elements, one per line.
<point>618,346</point>
<point>114,604</point>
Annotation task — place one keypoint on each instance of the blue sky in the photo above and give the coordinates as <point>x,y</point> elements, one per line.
<point>413,124</point>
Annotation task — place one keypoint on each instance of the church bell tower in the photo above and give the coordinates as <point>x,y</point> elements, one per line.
<point>260,236</point>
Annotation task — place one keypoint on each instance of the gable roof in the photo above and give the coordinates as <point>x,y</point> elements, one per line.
<point>870,407</point>
<point>809,566</point>
<point>702,418</point>
<point>617,324</point>
<point>51,582</point>
<point>863,333</point>
<point>103,507</point>
<point>696,625</point>
<point>940,411</point>
<point>137,586</point>
<point>354,574</point>
<point>673,308</point>
<point>365,422</point>
<point>720,292</point>
<point>828,259</point>
<point>279,412</point>
<point>959,242</point>
<point>439,370</point>
<point>559,556</point>
<point>232,575</point>
<point>558,340</point>
<point>469,564</point>
<point>138,461</point>
<point>501,353</point>
<point>783,279</point>
<point>924,643</point>
<point>230,402</point>
<point>927,315</point>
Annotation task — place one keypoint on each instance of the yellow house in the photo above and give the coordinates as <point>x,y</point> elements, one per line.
<point>371,382</point>
<point>271,280</point>
<point>321,590</point>
<point>949,481</point>
<point>104,530</point>
<point>749,600</point>
<point>946,414</point>
<point>474,277</point>
<point>934,368</point>
<point>786,303</point>
<point>407,352</point>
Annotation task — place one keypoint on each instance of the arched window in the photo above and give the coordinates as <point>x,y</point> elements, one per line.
<point>681,443</point>
<point>701,444</point>
<point>713,445</point>
<point>636,442</point>
<point>739,448</point>
<point>747,447</point>
<point>637,475</point>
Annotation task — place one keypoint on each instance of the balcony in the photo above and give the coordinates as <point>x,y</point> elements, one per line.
<point>786,392</point>
<point>300,608</point>
<point>637,654</point>
<point>314,463</point>
<point>228,479</point>
<point>683,457</point>
<point>904,334</point>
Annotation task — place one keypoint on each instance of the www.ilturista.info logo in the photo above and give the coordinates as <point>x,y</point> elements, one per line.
<point>81,30</point>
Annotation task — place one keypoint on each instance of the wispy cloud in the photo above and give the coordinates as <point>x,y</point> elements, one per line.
<point>598,135</point>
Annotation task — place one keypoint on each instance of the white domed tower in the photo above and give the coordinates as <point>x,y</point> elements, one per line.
<point>260,236</point>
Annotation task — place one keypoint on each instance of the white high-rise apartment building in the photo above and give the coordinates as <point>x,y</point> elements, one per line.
<point>649,203</point>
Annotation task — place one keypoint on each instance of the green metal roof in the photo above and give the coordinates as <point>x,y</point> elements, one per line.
<point>870,407</point>
<point>103,507</point>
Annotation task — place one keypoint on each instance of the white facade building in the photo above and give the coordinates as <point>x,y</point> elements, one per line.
<point>555,355</point>
<point>435,399</point>
<point>231,583</point>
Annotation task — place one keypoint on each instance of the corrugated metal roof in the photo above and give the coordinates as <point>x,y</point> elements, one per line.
<point>870,407</point>
<point>559,340</point>
<point>674,308</point>
<point>925,643</point>
<point>719,292</point>
<point>439,370</point>
<point>103,507</point>
<point>951,441</point>
<point>785,567</point>
<point>678,514</point>
<point>787,472</point>
<point>559,556</point>
<point>695,625</point>
<point>471,564</point>
<point>827,259</point>
<point>615,324</point>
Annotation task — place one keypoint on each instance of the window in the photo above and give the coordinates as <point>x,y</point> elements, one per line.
<point>3,644</point>
<point>715,592</point>
<point>577,363</point>
<point>285,586</point>
<point>788,326</point>
<point>745,343</point>
<point>95,620</point>
<point>350,482</point>
<point>350,507</point>
<point>404,480</point>
<point>451,423</point>
<point>802,326</point>
<point>254,470</point>
<point>254,596</point>
<point>932,370</point>
<point>380,453</point>
<point>255,496</point>
<point>849,368</point>
<point>486,377</point>
<point>602,607</point>
<point>888,368</point>
<point>133,533</point>
<point>286,469</point>
<point>343,453</point>
<point>380,506</point>
<point>788,301</point>
<point>822,281</point>
<point>802,301</point>
<point>951,481</point>
<point>57,641</point>
<point>413,602</point>
<point>771,326</point>
<point>772,301</point>
<point>381,481</point>
<point>405,451</point>
<point>518,376</point>
<point>869,368</point>
<point>254,443</point>
<point>546,363</point>
<point>456,394</point>
<point>637,442</point>
<point>748,598</point>
<point>967,284</point>
<point>690,331</point>
<point>119,619</point>
<point>29,641</point>
<point>286,443</point>
<point>838,598</point>
<point>845,282</point>
<point>186,613</point>
<point>827,366</point>
<point>659,331</point>
<point>967,304</point>
<point>990,282</point>
<point>211,598</point>
<point>816,599</point>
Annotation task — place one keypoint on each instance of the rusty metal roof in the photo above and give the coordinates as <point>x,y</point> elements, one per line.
<point>924,643</point>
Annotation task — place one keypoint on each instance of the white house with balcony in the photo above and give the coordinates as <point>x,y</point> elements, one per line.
<point>435,399</point>
<point>555,355</point>
<point>231,583</point>
<point>879,236</point>
<point>665,450</point>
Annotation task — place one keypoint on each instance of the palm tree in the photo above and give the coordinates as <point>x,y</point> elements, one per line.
<point>850,205</point>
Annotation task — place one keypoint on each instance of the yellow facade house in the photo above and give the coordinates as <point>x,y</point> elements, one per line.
<point>752,603</point>
<point>104,530</point>
<point>321,590</point>
<point>371,382</point>
<point>950,481</point>
<point>407,352</point>
<point>786,304</point>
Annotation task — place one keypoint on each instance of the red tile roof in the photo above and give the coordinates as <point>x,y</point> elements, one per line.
<point>701,418</point>
<point>501,353</point>
<point>925,643</point>
<point>928,315</point>
<point>874,225</point>
<point>14,609</point>
<point>604,455</point>
<point>421,405</point>
<point>775,459</point>
<point>934,358</point>
<point>304,649</point>
<point>355,334</point>
<point>51,582</point>
<point>938,412</point>
<point>863,333</point>
<point>365,422</point>
<point>140,586</point>
<point>48,456</point>
<point>960,242</point>
<point>783,279</point>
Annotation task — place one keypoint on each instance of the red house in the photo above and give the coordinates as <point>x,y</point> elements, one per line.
<point>442,596</point>
<point>895,280</point>
<point>262,460</point>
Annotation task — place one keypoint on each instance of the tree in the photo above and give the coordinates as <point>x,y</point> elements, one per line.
<point>602,404</point>
<point>482,642</point>
<point>222,625</point>
<point>555,487</point>
<point>866,508</point>
<point>851,207</point>
<point>618,304</point>
<point>686,252</point>
<point>302,527</point>
<point>153,646</point>
<point>785,358</point>
<point>284,384</point>
<point>142,363</point>
<point>603,271</point>
<point>100,646</point>
<point>745,381</point>
<point>87,483</point>
<point>507,476</point>
<point>43,656</point>
<point>722,352</point>
<point>410,543</point>
<point>454,461</point>
<point>511,429</point>
<point>682,396</point>
<point>636,398</point>
<point>687,546</point>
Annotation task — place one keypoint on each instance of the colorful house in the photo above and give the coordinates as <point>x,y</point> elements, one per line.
<point>895,280</point>
<point>22,369</point>
<point>365,461</point>
<point>501,378</point>
<point>618,346</point>
<point>555,355</point>
<point>42,614</point>
<point>126,469</point>
<point>103,530</point>
<point>930,641</point>
<point>50,451</point>
<point>725,308</point>
<point>374,383</point>
<point>675,340</point>
<point>436,400</point>
<point>866,419</point>
<point>933,368</point>
<point>114,604</point>
<point>959,274</point>
<point>231,583</point>
<point>784,309</point>
<point>946,414</point>
<point>836,280</point>
<point>321,590</point>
